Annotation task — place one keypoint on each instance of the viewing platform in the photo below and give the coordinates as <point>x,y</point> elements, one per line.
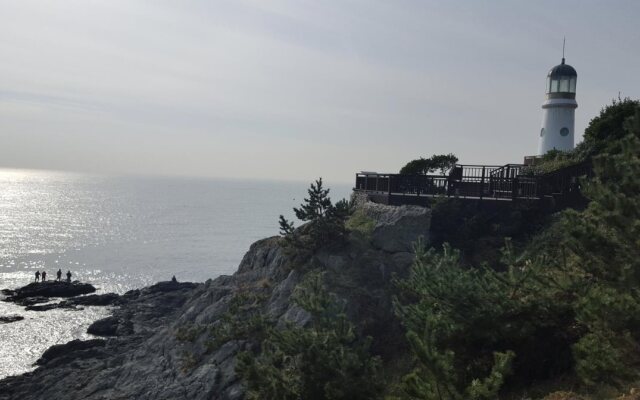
<point>507,183</point>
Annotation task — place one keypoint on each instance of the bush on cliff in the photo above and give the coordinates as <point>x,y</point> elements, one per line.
<point>467,326</point>
<point>324,361</point>
<point>608,128</point>
<point>605,253</point>
<point>325,221</point>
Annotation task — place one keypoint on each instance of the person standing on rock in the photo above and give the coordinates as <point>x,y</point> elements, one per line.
<point>37,276</point>
<point>69,276</point>
<point>59,275</point>
<point>44,276</point>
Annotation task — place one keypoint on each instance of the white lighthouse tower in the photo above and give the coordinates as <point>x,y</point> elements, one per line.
<point>558,109</point>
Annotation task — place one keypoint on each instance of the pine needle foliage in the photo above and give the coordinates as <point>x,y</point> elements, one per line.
<point>441,163</point>
<point>326,360</point>
<point>469,329</point>
<point>325,221</point>
<point>605,247</point>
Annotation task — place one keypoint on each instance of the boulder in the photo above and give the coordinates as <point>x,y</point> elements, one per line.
<point>73,348</point>
<point>397,227</point>
<point>104,327</point>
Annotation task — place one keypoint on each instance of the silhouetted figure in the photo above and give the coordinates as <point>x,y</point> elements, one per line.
<point>174,280</point>
<point>44,276</point>
<point>37,276</point>
<point>68,276</point>
<point>59,275</point>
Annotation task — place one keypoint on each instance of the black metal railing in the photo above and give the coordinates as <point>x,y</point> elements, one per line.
<point>507,182</point>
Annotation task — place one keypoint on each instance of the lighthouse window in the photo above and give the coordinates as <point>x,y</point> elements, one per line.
<point>564,85</point>
<point>564,131</point>
<point>572,85</point>
<point>542,132</point>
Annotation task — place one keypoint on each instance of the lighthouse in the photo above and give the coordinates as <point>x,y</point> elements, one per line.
<point>558,109</point>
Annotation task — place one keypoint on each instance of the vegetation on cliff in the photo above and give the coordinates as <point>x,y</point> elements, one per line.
<point>325,221</point>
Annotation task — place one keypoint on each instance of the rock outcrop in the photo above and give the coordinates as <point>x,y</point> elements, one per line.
<point>397,227</point>
<point>39,292</point>
<point>157,343</point>
<point>107,299</point>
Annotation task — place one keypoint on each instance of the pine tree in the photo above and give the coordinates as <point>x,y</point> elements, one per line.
<point>325,221</point>
<point>605,249</point>
<point>451,310</point>
<point>324,361</point>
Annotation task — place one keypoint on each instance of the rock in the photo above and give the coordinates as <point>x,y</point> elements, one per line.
<point>397,228</point>
<point>106,299</point>
<point>29,301</point>
<point>170,286</point>
<point>51,306</point>
<point>72,304</point>
<point>10,318</point>
<point>104,327</point>
<point>73,348</point>
<point>49,289</point>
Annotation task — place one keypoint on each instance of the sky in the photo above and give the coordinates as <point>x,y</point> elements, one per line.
<point>294,90</point>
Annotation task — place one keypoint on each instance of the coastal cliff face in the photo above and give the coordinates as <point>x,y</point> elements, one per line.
<point>158,343</point>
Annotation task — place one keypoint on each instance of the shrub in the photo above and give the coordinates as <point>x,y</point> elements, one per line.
<point>325,221</point>
<point>360,222</point>
<point>424,166</point>
<point>324,361</point>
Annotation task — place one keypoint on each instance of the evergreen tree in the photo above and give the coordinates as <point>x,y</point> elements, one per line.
<point>323,361</point>
<point>423,166</point>
<point>466,325</point>
<point>605,251</point>
<point>325,221</point>
<point>607,129</point>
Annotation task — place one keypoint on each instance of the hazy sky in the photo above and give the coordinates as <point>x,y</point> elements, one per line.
<point>296,89</point>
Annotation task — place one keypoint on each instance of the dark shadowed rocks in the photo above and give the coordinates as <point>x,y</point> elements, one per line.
<point>10,318</point>
<point>107,299</point>
<point>48,289</point>
<point>104,327</point>
<point>75,349</point>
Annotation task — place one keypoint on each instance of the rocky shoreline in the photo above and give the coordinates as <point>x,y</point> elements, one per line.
<point>157,343</point>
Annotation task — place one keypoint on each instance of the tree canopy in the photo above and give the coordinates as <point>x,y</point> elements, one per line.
<point>423,166</point>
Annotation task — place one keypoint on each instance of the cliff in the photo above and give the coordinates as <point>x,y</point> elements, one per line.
<point>158,343</point>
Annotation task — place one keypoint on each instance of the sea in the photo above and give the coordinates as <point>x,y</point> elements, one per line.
<point>120,233</point>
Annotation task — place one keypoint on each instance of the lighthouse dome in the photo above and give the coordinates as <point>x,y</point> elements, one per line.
<point>561,82</point>
<point>562,70</point>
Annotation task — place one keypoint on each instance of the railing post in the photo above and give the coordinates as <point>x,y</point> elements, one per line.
<point>514,188</point>
<point>482,184</point>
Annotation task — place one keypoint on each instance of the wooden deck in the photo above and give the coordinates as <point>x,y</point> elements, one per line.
<point>511,182</point>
